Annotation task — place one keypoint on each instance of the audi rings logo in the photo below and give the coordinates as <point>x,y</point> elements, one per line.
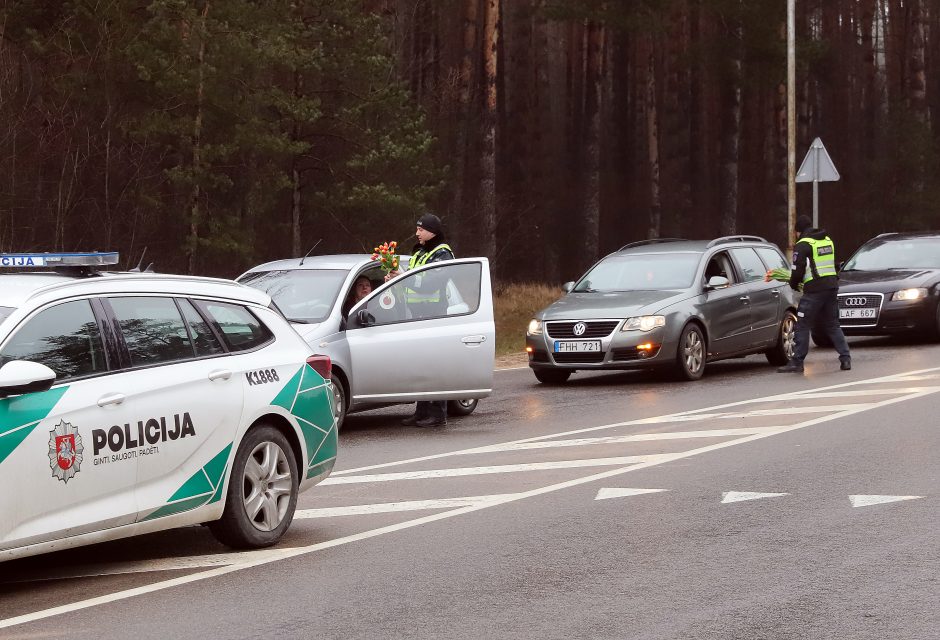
<point>579,328</point>
<point>855,302</point>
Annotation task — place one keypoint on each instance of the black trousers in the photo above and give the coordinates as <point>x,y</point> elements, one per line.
<point>436,409</point>
<point>819,310</point>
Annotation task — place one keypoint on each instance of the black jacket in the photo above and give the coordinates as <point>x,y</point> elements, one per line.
<point>431,245</point>
<point>802,253</point>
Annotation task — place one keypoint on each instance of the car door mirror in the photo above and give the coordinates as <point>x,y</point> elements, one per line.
<point>567,287</point>
<point>22,376</point>
<point>364,318</point>
<point>717,282</point>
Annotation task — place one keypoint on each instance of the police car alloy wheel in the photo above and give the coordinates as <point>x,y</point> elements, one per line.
<point>262,492</point>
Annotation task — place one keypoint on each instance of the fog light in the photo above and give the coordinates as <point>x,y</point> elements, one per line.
<point>528,349</point>
<point>646,346</point>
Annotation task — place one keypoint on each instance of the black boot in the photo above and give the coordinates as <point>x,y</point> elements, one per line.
<point>845,363</point>
<point>791,367</point>
<point>410,421</point>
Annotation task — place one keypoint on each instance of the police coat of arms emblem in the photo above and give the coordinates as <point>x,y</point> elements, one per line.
<point>65,451</point>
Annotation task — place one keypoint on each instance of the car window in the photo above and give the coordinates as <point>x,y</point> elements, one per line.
<point>448,290</point>
<point>66,338</point>
<point>376,278</point>
<point>238,326</point>
<point>4,312</point>
<point>772,258</point>
<point>914,253</point>
<point>720,265</point>
<point>641,272</point>
<point>204,340</point>
<point>303,295</point>
<point>153,330</point>
<point>750,263</point>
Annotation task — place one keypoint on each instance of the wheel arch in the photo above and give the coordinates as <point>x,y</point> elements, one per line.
<point>283,425</point>
<point>344,380</point>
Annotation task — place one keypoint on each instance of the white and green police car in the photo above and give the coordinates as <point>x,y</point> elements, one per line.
<point>135,402</point>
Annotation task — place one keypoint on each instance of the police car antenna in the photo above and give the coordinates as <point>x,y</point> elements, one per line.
<point>140,264</point>
<point>309,252</point>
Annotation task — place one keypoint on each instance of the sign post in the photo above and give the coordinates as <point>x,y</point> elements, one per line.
<point>817,167</point>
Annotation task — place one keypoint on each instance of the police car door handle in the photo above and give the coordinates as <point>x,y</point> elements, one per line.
<point>111,398</point>
<point>220,374</point>
<point>473,339</point>
<point>745,298</point>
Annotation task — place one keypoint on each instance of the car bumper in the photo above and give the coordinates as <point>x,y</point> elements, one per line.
<point>895,318</point>
<point>620,350</point>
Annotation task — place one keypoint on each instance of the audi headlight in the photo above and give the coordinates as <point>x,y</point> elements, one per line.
<point>910,294</point>
<point>534,328</point>
<point>644,323</point>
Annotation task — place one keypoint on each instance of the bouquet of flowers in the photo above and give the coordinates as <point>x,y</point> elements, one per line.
<point>780,274</point>
<point>386,256</point>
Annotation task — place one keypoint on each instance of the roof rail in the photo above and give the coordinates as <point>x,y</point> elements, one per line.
<point>726,239</point>
<point>889,233</point>
<point>640,243</point>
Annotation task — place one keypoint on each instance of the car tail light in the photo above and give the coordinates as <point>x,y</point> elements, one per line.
<point>322,365</point>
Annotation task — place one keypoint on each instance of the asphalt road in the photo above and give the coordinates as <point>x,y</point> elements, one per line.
<point>746,505</point>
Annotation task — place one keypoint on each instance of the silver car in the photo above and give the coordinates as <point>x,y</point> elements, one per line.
<point>668,303</point>
<point>384,349</point>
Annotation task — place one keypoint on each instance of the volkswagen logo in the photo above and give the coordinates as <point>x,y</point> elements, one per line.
<point>579,328</point>
<point>855,302</point>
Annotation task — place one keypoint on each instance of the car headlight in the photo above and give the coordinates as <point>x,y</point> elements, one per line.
<point>910,294</point>
<point>644,323</point>
<point>534,328</point>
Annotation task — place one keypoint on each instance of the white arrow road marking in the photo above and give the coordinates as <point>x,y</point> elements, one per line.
<point>867,501</point>
<point>500,468</point>
<point>608,493</point>
<point>741,496</point>
<point>285,553</point>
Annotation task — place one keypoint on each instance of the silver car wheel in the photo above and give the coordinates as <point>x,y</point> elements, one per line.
<point>466,404</point>
<point>693,351</point>
<point>267,486</point>
<point>788,335</point>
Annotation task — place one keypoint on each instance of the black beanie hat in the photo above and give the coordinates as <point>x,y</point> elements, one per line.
<point>430,222</point>
<point>803,223</point>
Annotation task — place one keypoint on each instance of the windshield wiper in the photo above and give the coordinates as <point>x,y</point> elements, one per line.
<point>298,321</point>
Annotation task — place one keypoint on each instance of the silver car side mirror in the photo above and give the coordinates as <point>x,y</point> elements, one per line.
<point>567,287</point>
<point>717,282</point>
<point>23,376</point>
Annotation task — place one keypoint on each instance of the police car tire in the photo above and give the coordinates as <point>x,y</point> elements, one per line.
<point>235,528</point>
<point>461,407</point>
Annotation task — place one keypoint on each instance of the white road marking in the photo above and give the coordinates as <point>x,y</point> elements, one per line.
<point>500,468</point>
<point>867,501</point>
<point>281,554</point>
<point>640,437</point>
<point>863,393</point>
<point>390,507</point>
<point>740,496</point>
<point>613,492</point>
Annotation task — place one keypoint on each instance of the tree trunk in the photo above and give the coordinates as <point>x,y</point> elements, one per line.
<point>652,144</point>
<point>489,121</point>
<point>195,200</point>
<point>731,137</point>
<point>917,83</point>
<point>591,152</point>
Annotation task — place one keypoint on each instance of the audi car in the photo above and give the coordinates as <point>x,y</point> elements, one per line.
<point>891,285</point>
<point>667,303</point>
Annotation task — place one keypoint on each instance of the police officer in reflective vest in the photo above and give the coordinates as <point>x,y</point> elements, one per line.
<point>814,266</point>
<point>428,300</point>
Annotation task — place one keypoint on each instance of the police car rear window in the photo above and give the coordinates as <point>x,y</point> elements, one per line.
<point>238,326</point>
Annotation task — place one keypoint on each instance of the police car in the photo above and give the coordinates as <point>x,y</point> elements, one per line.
<point>136,402</point>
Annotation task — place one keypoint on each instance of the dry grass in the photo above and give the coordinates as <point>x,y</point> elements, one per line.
<point>514,305</point>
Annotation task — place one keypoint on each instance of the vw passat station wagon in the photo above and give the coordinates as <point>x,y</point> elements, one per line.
<point>671,304</point>
<point>135,402</point>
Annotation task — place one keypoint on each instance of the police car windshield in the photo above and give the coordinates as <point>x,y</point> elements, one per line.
<point>303,295</point>
<point>641,272</point>
<point>918,253</point>
<point>4,312</point>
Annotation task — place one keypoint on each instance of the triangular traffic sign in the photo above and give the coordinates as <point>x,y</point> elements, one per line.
<point>817,165</point>
<point>607,493</point>
<point>741,496</point>
<point>867,501</point>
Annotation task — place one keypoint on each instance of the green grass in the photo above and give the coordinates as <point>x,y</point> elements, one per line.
<point>514,305</point>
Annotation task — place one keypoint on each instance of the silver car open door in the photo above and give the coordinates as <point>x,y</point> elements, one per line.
<point>427,335</point>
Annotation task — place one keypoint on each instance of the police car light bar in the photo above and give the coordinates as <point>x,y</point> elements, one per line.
<point>94,259</point>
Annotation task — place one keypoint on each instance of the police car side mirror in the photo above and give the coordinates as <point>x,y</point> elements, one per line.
<point>567,287</point>
<point>22,376</point>
<point>365,318</point>
<point>717,282</point>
